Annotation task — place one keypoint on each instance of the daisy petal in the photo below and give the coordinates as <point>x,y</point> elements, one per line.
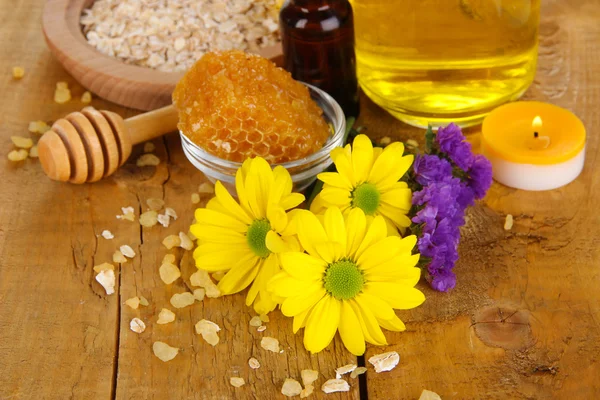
<point>239,278</point>
<point>269,269</point>
<point>362,157</point>
<point>218,256</point>
<point>356,229</point>
<point>230,204</point>
<point>206,216</point>
<point>274,243</point>
<point>379,253</point>
<point>351,331</point>
<point>376,232</point>
<point>318,205</point>
<point>394,324</point>
<point>335,227</point>
<point>399,270</point>
<point>398,216</point>
<point>322,324</point>
<point>343,163</point>
<point>330,251</point>
<point>284,285</point>
<point>335,179</point>
<point>217,234</point>
<point>240,186</point>
<point>303,266</point>
<point>277,217</point>
<point>300,320</point>
<point>398,296</point>
<point>292,306</point>
<point>291,200</point>
<point>379,308</point>
<point>398,198</point>
<point>368,324</point>
<point>310,231</point>
<point>282,185</point>
<point>335,196</point>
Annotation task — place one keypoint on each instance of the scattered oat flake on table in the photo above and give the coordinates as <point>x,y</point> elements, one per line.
<point>344,370</point>
<point>171,241</point>
<point>291,388</point>
<point>62,94</point>
<point>335,385</point>
<point>86,97</point>
<point>206,187</point>
<point>309,376</point>
<point>508,223</point>
<point>253,363</point>
<point>164,220</point>
<point>307,391</point>
<point>199,294</point>
<point>195,198</point>
<point>128,214</point>
<point>261,328</point>
<point>133,302</point>
<point>237,382</point>
<point>143,301</point>
<point>38,127</point>
<point>185,242</point>
<point>155,204</point>
<point>106,234</point>
<point>22,142</point>
<point>127,251</point>
<point>169,273</point>
<point>149,218</point>
<point>147,159</point>
<point>270,344</point>
<point>170,212</point>
<point>180,300</point>
<point>107,279</point>
<point>385,362</point>
<point>429,395</point>
<point>149,147</point>
<point>255,321</point>
<point>137,325</point>
<point>18,155</point>
<point>164,352</point>
<point>18,72</point>
<point>118,257</point>
<point>103,267</point>
<point>165,316</point>
<point>358,371</point>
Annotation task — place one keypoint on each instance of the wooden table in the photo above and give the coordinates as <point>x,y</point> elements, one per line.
<point>524,321</point>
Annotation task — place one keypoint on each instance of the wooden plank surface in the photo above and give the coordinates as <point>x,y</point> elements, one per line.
<point>61,337</point>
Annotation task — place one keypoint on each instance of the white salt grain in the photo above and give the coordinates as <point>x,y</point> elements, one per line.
<point>107,279</point>
<point>127,251</point>
<point>133,302</point>
<point>164,352</point>
<point>169,273</point>
<point>185,242</point>
<point>103,267</point>
<point>164,220</point>
<point>291,388</point>
<point>237,382</point>
<point>165,316</point>
<point>429,395</point>
<point>255,321</point>
<point>107,235</point>
<point>270,344</point>
<point>181,300</point>
<point>118,257</point>
<point>309,376</point>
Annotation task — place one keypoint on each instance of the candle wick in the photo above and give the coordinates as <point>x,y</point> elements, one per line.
<point>535,135</point>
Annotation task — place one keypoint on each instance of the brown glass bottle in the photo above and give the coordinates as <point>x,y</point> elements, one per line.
<point>318,48</point>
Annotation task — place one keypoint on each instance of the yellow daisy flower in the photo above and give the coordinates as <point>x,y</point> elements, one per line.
<point>243,237</point>
<point>350,281</point>
<point>367,178</point>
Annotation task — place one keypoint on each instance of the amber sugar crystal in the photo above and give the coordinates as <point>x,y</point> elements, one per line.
<point>236,105</point>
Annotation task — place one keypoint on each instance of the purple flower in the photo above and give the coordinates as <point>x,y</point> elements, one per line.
<point>441,195</point>
<point>452,142</point>
<point>480,176</point>
<point>429,168</point>
<point>443,280</point>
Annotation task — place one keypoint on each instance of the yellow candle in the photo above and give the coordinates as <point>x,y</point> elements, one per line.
<point>534,145</point>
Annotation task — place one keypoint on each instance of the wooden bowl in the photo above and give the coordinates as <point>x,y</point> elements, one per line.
<point>128,85</point>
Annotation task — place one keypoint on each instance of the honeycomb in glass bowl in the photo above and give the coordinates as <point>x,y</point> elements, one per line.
<point>237,105</point>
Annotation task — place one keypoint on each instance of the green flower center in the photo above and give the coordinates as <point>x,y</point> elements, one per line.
<point>343,280</point>
<point>366,196</point>
<point>257,235</point>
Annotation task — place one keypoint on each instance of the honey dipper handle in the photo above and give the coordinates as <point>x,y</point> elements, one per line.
<point>152,124</point>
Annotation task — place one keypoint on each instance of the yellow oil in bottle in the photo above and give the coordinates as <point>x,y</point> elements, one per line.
<point>440,61</point>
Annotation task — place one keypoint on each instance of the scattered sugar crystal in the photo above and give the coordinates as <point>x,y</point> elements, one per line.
<point>199,294</point>
<point>385,361</point>
<point>169,273</point>
<point>155,204</point>
<point>170,212</point>
<point>62,94</point>
<point>270,344</point>
<point>180,300</point>
<point>62,85</point>
<point>508,223</point>
<point>208,330</point>
<point>212,291</point>
<point>261,328</point>
<point>118,257</point>
<point>412,143</point>
<point>384,141</point>
<point>18,72</point>
<point>165,316</point>
<point>164,220</point>
<point>264,317</point>
<point>128,214</point>
<point>149,218</point>
<point>22,142</point>
<point>106,234</point>
<point>429,395</point>
<point>358,371</point>
<point>86,97</point>
<point>255,321</point>
<point>206,187</point>
<point>237,382</point>
<point>200,278</point>
<point>307,391</point>
<point>149,147</point>
<point>335,385</point>
<point>33,152</point>
<point>195,198</point>
<point>171,241</point>
<point>137,325</point>
<point>169,259</point>
<point>164,352</point>
<point>309,376</point>
<point>253,363</point>
<point>217,276</point>
<point>147,159</point>
<point>344,370</point>
<point>133,302</point>
<point>291,388</point>
<point>40,127</point>
<point>103,267</point>
<point>143,301</point>
<point>127,251</point>
<point>186,242</point>
<point>18,155</point>
<point>107,279</point>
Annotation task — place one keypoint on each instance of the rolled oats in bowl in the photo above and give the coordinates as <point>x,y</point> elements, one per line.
<point>170,35</point>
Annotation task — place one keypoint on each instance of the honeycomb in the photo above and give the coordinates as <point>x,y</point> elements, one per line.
<point>236,105</point>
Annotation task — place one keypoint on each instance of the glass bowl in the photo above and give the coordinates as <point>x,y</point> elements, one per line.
<point>303,171</point>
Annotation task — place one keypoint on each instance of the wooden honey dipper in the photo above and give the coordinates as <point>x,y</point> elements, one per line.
<point>89,145</point>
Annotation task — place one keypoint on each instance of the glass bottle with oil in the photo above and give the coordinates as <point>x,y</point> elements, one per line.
<point>440,61</point>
